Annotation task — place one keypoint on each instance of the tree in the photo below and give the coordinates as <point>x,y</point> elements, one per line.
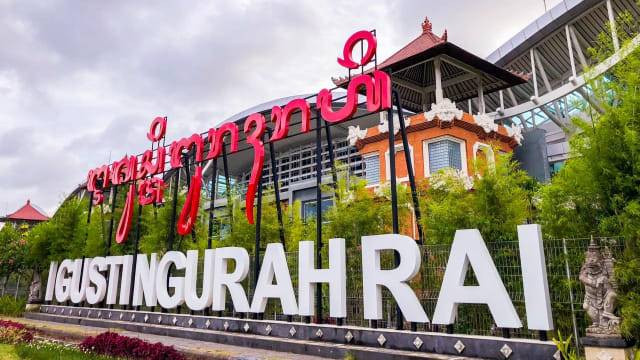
<point>494,203</point>
<point>598,191</point>
<point>12,250</point>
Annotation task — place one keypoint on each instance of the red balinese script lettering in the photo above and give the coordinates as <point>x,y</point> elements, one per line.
<point>254,137</point>
<point>140,172</point>
<point>189,212</point>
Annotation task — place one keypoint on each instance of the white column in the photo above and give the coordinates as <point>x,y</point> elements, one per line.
<point>612,21</point>
<point>438,76</point>
<point>570,48</point>
<point>533,71</point>
<point>481,108</point>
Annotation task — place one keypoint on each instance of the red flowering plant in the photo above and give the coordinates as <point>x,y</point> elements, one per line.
<point>110,343</point>
<point>12,332</point>
<point>11,324</point>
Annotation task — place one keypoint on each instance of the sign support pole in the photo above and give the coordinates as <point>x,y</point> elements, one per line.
<point>86,234</point>
<point>394,200</point>
<point>332,163</point>
<point>172,223</point>
<point>212,199</point>
<point>227,181</point>
<point>114,193</point>
<point>276,190</point>
<point>412,179</point>
<point>174,208</point>
<point>256,252</point>
<point>135,259</point>
<point>318,212</point>
<point>407,156</point>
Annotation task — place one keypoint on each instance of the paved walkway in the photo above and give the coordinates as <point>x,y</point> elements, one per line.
<point>75,333</point>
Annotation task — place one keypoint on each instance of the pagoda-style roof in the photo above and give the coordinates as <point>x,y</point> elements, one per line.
<point>27,212</point>
<point>413,73</point>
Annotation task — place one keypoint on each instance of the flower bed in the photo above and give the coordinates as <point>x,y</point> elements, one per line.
<point>112,344</point>
<point>48,349</point>
<point>107,345</point>
<point>12,332</point>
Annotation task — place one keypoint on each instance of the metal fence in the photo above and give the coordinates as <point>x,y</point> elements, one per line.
<point>564,258</point>
<point>16,286</point>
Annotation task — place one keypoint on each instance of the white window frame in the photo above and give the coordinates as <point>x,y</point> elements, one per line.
<point>463,152</point>
<point>398,148</point>
<point>370,155</point>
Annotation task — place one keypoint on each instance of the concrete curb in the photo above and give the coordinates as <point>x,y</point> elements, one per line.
<point>303,347</point>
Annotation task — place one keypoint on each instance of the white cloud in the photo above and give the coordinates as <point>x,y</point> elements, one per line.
<point>82,80</point>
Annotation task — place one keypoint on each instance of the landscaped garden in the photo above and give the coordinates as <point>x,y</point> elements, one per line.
<point>597,194</point>
<point>18,341</point>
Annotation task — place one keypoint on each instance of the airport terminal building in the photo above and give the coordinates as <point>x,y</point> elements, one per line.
<point>457,106</point>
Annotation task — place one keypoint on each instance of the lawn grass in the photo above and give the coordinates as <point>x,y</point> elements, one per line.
<point>8,352</point>
<point>45,351</point>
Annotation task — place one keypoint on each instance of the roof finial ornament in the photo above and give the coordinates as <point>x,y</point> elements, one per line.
<point>444,35</point>
<point>426,25</point>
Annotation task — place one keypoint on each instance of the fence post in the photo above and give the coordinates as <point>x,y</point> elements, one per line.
<point>573,313</point>
<point>17,287</point>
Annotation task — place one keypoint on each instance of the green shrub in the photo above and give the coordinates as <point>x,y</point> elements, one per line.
<point>9,306</point>
<point>564,346</point>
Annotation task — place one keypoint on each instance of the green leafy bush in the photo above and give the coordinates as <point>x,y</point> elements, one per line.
<point>494,203</point>
<point>9,306</point>
<point>565,348</point>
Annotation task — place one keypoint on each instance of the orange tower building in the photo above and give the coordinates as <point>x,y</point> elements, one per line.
<point>441,88</point>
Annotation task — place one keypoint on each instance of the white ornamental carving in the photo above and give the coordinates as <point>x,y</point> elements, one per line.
<point>443,178</point>
<point>445,110</point>
<point>515,132</point>
<point>355,134</point>
<point>486,122</point>
<point>383,126</point>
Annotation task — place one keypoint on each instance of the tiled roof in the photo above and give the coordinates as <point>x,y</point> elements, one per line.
<point>425,41</point>
<point>28,212</point>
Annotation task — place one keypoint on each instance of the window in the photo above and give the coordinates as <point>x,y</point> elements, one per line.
<point>443,154</point>
<point>372,169</point>
<point>555,167</point>
<point>309,208</point>
<point>221,186</point>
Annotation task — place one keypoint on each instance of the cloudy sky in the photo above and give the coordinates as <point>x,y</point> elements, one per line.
<point>80,81</point>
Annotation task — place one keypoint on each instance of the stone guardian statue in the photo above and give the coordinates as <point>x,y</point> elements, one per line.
<point>35,290</point>
<point>600,292</point>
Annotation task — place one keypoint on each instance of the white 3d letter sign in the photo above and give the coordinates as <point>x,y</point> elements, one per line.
<point>335,275</point>
<point>373,278</point>
<point>468,249</point>
<point>225,269</point>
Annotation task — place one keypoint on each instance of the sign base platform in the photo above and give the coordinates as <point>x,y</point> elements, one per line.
<point>329,341</point>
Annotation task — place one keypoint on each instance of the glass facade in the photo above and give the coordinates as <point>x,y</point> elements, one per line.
<point>444,154</point>
<point>309,208</point>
